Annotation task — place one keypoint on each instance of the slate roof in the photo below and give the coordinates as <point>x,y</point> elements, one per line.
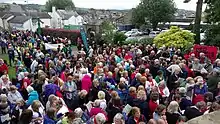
<point>41,15</point>
<point>19,19</point>
<point>66,14</point>
<point>5,15</point>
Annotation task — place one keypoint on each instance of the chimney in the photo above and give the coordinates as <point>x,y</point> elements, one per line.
<point>53,9</point>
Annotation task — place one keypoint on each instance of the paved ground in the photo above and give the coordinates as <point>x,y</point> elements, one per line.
<point>138,37</point>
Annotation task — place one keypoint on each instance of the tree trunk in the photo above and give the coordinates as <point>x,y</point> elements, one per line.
<point>154,26</point>
<point>198,21</point>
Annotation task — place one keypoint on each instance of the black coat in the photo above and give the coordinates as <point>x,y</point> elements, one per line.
<point>192,112</point>
<point>172,118</point>
<point>143,105</point>
<point>112,111</point>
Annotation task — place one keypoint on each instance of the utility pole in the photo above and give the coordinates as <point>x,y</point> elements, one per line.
<point>197,23</point>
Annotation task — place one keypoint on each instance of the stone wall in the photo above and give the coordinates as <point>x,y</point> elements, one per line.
<point>211,118</point>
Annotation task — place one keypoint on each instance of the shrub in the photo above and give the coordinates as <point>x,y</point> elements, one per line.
<point>119,37</point>
<point>175,37</point>
<point>146,41</point>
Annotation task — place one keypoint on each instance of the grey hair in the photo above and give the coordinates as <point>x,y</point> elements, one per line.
<point>78,112</point>
<point>119,116</point>
<point>100,118</point>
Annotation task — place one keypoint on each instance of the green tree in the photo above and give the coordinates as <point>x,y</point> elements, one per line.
<point>59,4</point>
<point>213,35</point>
<point>107,30</point>
<point>154,11</point>
<point>175,37</point>
<point>119,37</point>
<point>213,17</point>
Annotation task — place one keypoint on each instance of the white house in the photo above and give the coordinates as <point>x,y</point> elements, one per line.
<point>60,18</point>
<point>21,23</point>
<point>44,17</point>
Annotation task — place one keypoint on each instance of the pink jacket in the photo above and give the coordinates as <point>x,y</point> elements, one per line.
<point>86,83</point>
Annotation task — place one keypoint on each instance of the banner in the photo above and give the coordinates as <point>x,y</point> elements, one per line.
<point>53,46</point>
<point>209,51</point>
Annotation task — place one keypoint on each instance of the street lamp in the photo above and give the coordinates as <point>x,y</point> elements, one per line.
<point>29,14</point>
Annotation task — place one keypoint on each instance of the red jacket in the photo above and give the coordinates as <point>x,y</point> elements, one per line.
<point>4,68</point>
<point>152,106</point>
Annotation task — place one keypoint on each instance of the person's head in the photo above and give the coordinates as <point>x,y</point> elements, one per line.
<point>36,105</point>
<point>52,98</point>
<point>201,105</point>
<point>95,83</point>
<point>190,80</point>
<point>51,113</point>
<point>159,73</point>
<point>161,110</point>
<point>154,96</point>
<point>141,87</point>
<point>121,86</point>
<point>214,107</point>
<point>142,95</point>
<point>162,84</point>
<point>132,90</point>
<point>143,80</point>
<point>149,77</point>
<point>136,112</point>
<point>26,116</point>
<point>3,98</point>
<point>100,118</point>
<point>122,80</point>
<point>101,95</point>
<point>173,107</point>
<point>30,89</point>
<point>116,101</point>
<point>219,85</point>
<point>78,112</point>
<point>119,119</point>
<point>199,80</point>
<point>182,91</point>
<point>71,116</point>
<point>208,97</point>
<point>114,94</point>
<point>110,74</point>
<point>13,88</point>
<point>138,76</point>
<point>83,93</point>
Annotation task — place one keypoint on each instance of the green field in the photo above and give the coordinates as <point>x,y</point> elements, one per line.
<point>11,70</point>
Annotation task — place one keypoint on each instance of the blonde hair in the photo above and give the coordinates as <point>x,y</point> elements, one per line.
<point>101,95</point>
<point>36,105</point>
<point>173,107</point>
<point>141,87</point>
<point>132,89</point>
<point>142,95</point>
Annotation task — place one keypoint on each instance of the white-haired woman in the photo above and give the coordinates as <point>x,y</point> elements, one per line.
<point>119,119</point>
<point>172,114</point>
<point>98,119</point>
<point>32,95</point>
<point>78,116</point>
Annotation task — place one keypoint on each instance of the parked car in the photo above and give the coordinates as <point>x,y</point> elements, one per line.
<point>131,34</point>
<point>153,34</point>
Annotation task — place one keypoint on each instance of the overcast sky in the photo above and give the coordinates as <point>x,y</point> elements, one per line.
<point>109,4</point>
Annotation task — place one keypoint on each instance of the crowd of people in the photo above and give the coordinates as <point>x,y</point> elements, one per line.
<point>132,84</point>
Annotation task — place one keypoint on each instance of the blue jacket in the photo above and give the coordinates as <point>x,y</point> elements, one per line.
<point>47,120</point>
<point>32,96</point>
